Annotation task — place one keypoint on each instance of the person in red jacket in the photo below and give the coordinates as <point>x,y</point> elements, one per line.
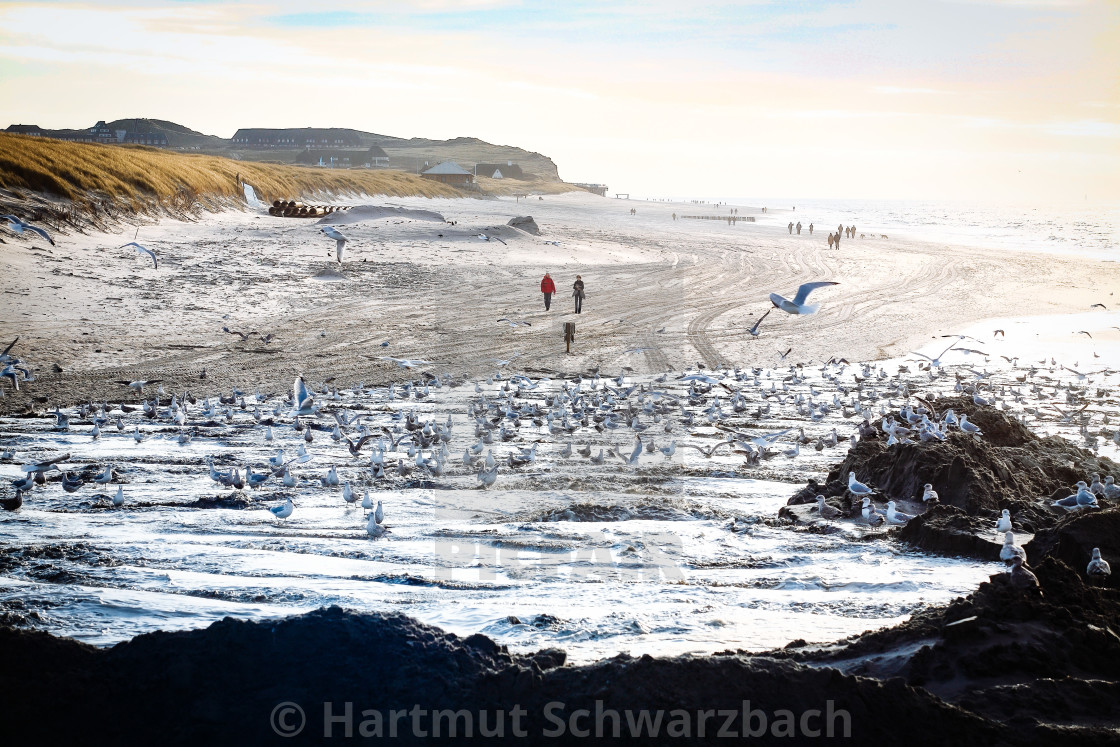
<point>547,288</point>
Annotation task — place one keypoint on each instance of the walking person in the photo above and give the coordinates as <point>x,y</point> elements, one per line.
<point>798,228</point>
<point>830,241</point>
<point>791,228</point>
<point>810,229</point>
<point>547,288</point>
<point>577,293</point>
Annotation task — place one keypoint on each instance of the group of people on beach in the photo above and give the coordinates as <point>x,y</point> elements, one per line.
<point>548,287</point>
<point>834,238</point>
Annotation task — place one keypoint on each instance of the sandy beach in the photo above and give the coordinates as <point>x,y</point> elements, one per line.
<point>661,294</point>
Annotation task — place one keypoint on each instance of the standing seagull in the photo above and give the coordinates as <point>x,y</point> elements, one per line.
<point>20,226</point>
<point>340,247</point>
<point>144,250</point>
<point>1098,570</point>
<point>798,305</point>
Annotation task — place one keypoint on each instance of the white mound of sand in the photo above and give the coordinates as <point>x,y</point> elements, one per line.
<point>360,213</point>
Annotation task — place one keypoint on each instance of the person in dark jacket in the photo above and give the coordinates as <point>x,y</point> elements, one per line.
<point>547,288</point>
<point>577,294</point>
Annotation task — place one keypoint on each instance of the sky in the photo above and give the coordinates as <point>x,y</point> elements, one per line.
<point>994,101</point>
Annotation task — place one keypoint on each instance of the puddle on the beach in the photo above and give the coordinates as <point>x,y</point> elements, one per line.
<point>672,554</point>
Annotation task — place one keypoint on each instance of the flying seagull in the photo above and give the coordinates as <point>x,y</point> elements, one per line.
<point>515,322</point>
<point>144,250</point>
<point>20,226</point>
<point>340,246</point>
<point>484,237</point>
<point>754,330</point>
<point>798,305</point>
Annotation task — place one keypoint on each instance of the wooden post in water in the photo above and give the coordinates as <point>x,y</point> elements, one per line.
<point>569,335</point>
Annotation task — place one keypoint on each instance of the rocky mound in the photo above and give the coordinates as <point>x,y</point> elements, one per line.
<point>975,478</point>
<point>1007,467</point>
<point>526,224</point>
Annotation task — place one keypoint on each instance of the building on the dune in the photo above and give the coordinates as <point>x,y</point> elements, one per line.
<point>310,138</point>
<point>22,129</point>
<point>449,172</point>
<point>372,158</point>
<point>507,170</point>
<point>99,133</point>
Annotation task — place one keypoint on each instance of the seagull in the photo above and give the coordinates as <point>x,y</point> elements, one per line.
<point>895,516</point>
<point>373,528</point>
<point>487,477</point>
<point>284,511</point>
<point>484,237</point>
<point>139,385</point>
<point>825,510</point>
<point>1081,499</point>
<point>928,493</point>
<point>968,427</point>
<point>379,514</point>
<point>870,515</point>
<point>1004,523</point>
<point>855,487</point>
<point>1098,569</point>
<point>1010,551</point>
<point>13,503</point>
<point>20,226</point>
<point>753,331</point>
<point>935,362</point>
<point>303,402</point>
<point>340,245</point>
<point>144,250</point>
<point>515,322</point>
<point>798,305</point>
<point>106,475</point>
<point>118,499</point>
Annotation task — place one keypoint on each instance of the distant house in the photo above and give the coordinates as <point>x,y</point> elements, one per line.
<point>373,158</point>
<point>22,129</point>
<point>313,138</point>
<point>449,172</point>
<point>103,133</point>
<point>378,158</point>
<point>509,170</point>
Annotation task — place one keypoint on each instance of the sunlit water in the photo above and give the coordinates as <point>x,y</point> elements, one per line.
<point>665,556</point>
<point>1091,231</point>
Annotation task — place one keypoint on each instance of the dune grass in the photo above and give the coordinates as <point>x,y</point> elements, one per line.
<point>137,176</point>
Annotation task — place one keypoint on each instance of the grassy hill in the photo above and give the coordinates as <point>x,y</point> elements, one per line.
<point>139,176</point>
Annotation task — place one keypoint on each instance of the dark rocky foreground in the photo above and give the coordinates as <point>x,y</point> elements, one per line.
<point>1003,666</point>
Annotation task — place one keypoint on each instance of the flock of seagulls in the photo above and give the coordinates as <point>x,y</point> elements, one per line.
<point>610,422</point>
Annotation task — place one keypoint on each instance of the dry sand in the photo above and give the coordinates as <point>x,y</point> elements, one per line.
<point>661,294</point>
